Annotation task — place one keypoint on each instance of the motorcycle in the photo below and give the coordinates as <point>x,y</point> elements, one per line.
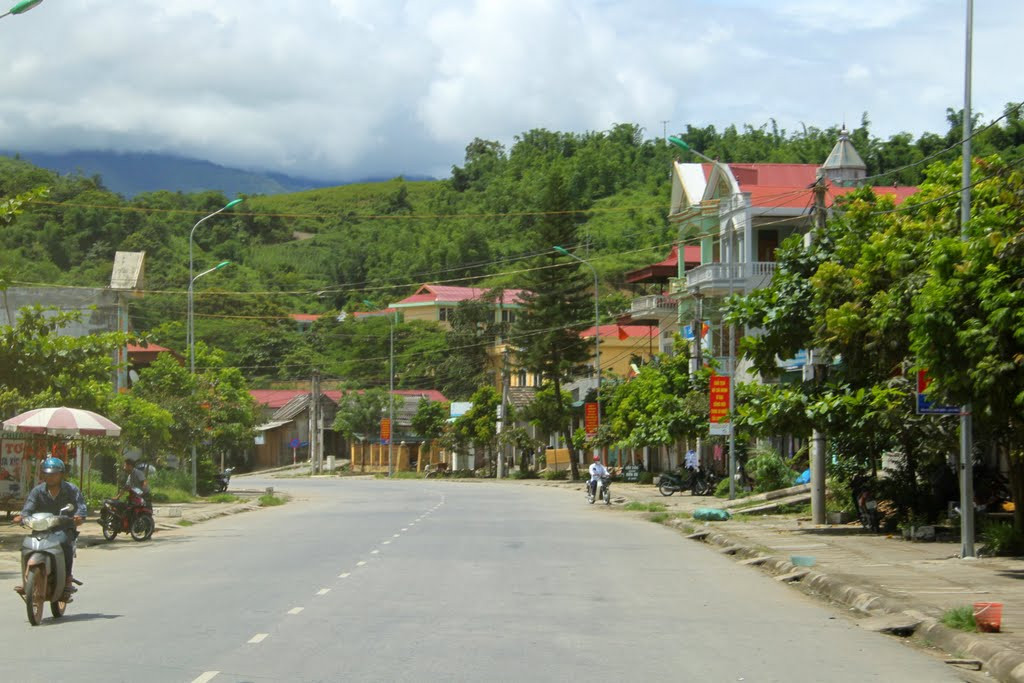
<point>602,489</point>
<point>867,505</point>
<point>134,516</point>
<point>220,482</point>
<point>700,483</point>
<point>42,563</point>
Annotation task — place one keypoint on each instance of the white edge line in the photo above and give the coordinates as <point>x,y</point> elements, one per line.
<point>360,563</point>
<point>205,677</point>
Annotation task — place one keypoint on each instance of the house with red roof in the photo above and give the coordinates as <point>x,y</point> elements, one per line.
<point>736,215</point>
<point>437,303</point>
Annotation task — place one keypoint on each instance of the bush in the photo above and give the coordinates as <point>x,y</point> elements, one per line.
<point>960,618</point>
<point>722,489</point>
<point>555,475</point>
<point>97,492</point>
<point>268,500</point>
<point>769,471</point>
<point>1002,539</point>
<point>528,474</point>
<point>646,478</point>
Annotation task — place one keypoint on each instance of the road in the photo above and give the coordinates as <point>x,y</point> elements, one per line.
<point>371,580</point>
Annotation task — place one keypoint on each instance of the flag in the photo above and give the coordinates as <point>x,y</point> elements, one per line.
<point>623,334</point>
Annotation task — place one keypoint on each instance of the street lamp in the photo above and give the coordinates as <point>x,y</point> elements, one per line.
<point>391,389</point>
<point>190,341</point>
<point>21,7</point>
<point>190,325</point>
<point>597,326</point>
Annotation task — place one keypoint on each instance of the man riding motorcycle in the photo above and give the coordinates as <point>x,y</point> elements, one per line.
<point>597,470</point>
<point>50,496</point>
<point>137,478</point>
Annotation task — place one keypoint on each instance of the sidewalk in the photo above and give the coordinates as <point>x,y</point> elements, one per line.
<point>874,574</point>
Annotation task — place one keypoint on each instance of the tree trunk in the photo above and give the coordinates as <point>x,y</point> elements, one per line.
<point>574,467</point>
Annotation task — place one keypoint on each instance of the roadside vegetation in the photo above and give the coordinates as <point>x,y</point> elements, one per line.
<point>960,618</point>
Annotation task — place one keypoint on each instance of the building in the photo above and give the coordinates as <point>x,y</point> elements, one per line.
<point>737,215</point>
<point>654,307</point>
<point>437,303</point>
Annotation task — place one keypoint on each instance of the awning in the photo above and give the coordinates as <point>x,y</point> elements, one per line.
<point>272,425</point>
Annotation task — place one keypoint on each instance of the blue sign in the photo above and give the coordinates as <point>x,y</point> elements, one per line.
<point>926,407</point>
<point>294,443</point>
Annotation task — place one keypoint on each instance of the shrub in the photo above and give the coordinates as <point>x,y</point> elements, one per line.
<point>268,500</point>
<point>646,478</point>
<point>528,474</point>
<point>722,489</point>
<point>1002,539</point>
<point>555,475</point>
<point>769,471</point>
<point>97,492</point>
<point>960,618</point>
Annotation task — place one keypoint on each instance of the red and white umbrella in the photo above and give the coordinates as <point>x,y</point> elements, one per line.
<point>62,422</point>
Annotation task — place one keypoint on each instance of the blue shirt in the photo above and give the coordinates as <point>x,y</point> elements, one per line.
<point>40,500</point>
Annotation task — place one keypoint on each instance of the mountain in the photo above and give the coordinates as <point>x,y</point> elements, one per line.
<point>129,174</point>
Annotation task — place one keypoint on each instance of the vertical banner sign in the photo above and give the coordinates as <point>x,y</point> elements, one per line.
<point>385,430</point>
<point>718,411</point>
<point>590,418</point>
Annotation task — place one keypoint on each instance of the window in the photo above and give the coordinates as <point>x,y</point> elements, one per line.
<point>445,313</point>
<point>508,316</point>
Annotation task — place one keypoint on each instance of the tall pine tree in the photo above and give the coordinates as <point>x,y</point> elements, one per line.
<point>558,302</point>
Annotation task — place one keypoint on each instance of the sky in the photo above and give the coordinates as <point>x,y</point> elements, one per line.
<point>350,89</point>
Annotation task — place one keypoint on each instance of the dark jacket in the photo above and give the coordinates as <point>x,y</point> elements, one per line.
<point>40,500</point>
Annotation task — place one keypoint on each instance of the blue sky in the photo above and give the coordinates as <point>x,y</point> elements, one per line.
<point>343,89</point>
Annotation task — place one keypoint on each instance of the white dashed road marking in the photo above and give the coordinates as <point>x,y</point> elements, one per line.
<point>295,610</point>
<point>206,677</point>
<point>374,552</point>
<point>323,591</point>
<point>360,563</point>
<point>344,576</point>
<point>258,638</point>
<point>386,543</point>
<point>395,535</point>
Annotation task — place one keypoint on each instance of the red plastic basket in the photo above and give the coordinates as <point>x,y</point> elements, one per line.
<point>988,616</point>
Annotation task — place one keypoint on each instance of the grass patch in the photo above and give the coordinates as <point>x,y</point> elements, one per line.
<point>637,506</point>
<point>960,618</point>
<point>555,475</point>
<point>172,494</point>
<point>185,522</point>
<point>400,475</point>
<point>270,500</point>
<point>223,498</point>
<point>659,517</point>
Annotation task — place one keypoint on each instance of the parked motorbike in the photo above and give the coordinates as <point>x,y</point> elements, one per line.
<point>134,516</point>
<point>699,482</point>
<point>42,563</point>
<point>601,489</point>
<point>220,482</point>
<point>867,504</point>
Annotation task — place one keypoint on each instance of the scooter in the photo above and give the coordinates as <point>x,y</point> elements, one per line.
<point>42,563</point>
<point>134,516</point>
<point>602,489</point>
<point>220,482</point>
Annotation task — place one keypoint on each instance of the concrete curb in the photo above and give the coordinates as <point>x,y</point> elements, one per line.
<point>1002,663</point>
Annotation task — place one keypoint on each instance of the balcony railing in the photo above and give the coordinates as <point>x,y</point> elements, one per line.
<point>717,277</point>
<point>656,305</point>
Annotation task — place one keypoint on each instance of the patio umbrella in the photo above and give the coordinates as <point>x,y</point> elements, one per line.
<point>62,422</point>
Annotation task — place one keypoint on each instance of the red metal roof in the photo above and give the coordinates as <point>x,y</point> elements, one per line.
<point>275,398</point>
<point>304,317</point>
<point>661,271</point>
<point>152,348</point>
<point>453,295</point>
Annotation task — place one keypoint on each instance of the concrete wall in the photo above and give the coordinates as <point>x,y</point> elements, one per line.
<point>102,319</point>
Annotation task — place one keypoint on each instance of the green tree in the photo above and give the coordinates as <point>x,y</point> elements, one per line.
<point>359,413</point>
<point>479,426</point>
<point>429,421</point>
<point>557,303</point>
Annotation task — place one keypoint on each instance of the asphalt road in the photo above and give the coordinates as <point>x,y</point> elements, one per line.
<point>370,580</point>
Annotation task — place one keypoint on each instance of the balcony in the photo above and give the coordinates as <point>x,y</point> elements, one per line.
<point>654,308</point>
<point>717,279</point>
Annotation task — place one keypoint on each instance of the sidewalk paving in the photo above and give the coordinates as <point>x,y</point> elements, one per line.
<point>874,573</point>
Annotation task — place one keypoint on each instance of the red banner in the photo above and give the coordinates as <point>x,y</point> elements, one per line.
<point>719,395</point>
<point>590,418</point>
<point>385,429</point>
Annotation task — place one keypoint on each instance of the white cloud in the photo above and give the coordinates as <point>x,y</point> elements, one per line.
<point>352,88</point>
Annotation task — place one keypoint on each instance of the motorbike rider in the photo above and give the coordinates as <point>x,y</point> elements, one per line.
<point>50,496</point>
<point>137,478</point>
<point>597,470</point>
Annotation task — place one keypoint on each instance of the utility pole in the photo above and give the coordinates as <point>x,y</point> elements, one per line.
<point>817,437</point>
<point>503,413</point>
<point>314,424</point>
<point>966,436</point>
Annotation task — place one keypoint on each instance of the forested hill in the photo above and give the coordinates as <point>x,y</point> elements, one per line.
<point>328,249</point>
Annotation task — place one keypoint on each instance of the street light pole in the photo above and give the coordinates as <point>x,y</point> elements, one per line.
<point>966,437</point>
<point>21,7</point>
<point>189,341</point>
<point>597,326</point>
<point>192,357</point>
